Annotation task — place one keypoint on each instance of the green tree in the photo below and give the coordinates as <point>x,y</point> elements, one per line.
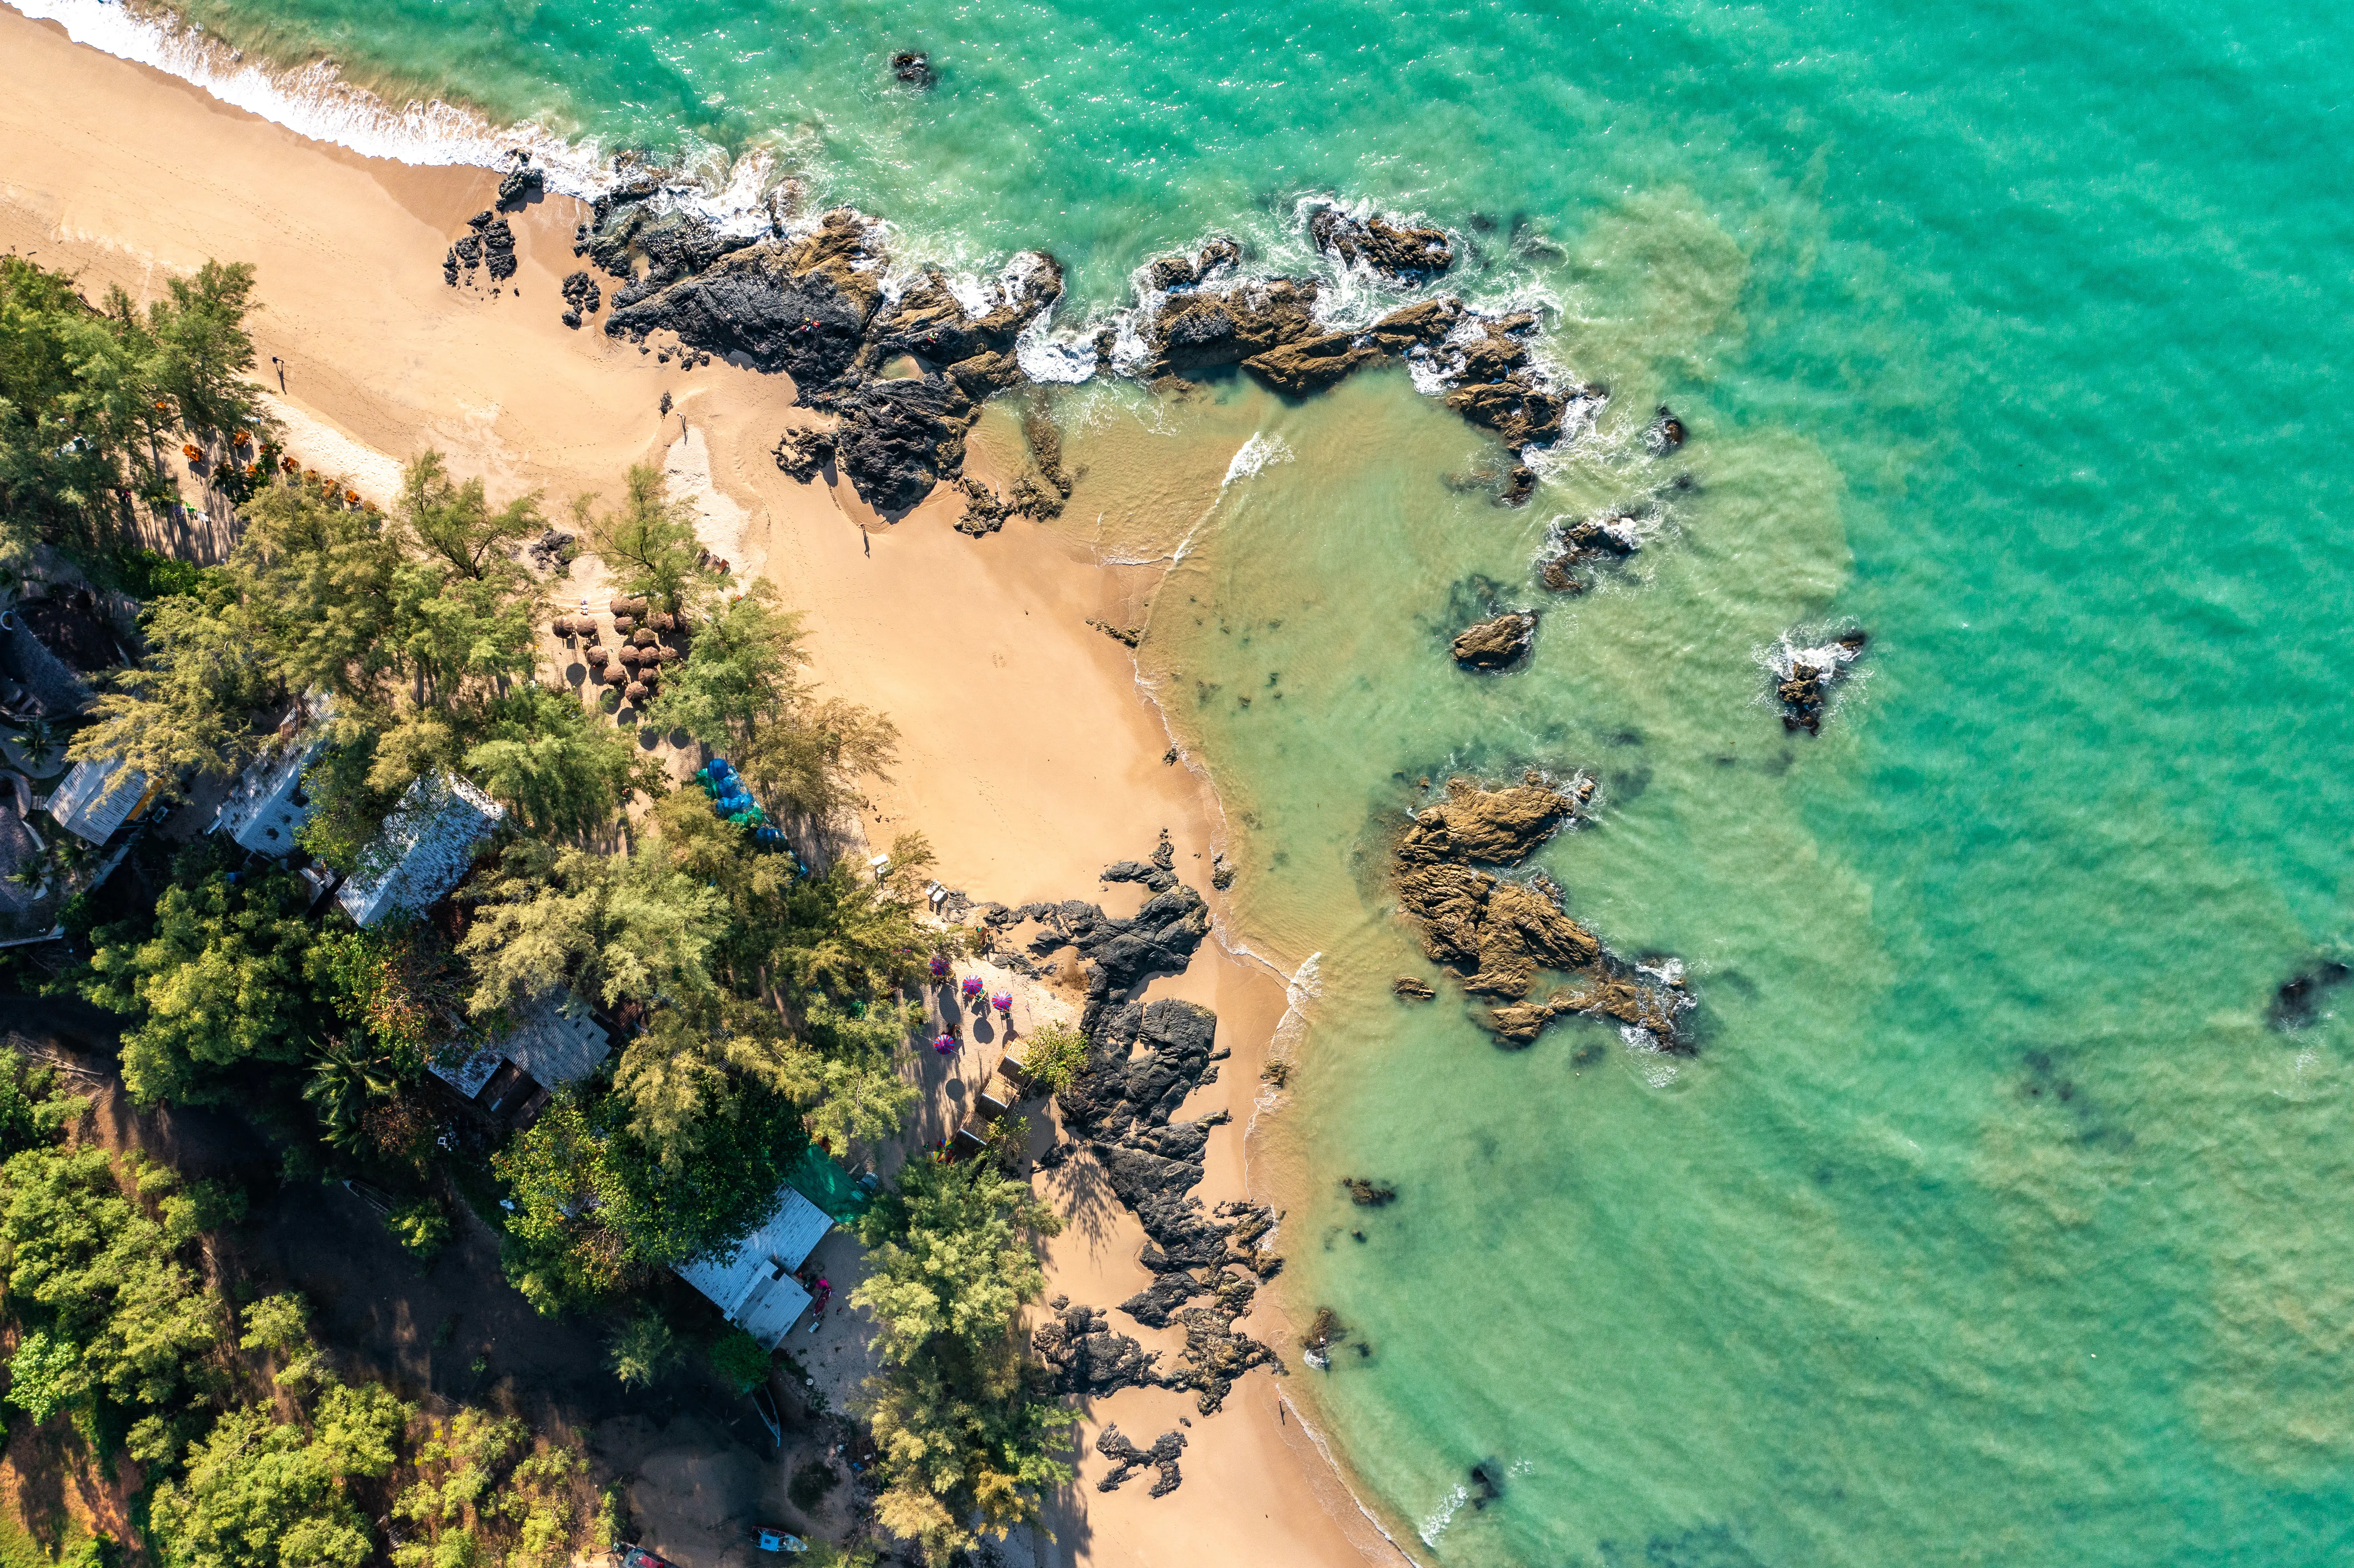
<point>260,1492</point>
<point>740,692</point>
<point>648,542</point>
<point>454,522</point>
<point>215,982</point>
<point>97,1272</point>
<point>46,1376</point>
<point>199,352</point>
<point>603,928</point>
<point>1053,1057</point>
<point>967,1432</point>
<point>187,708</point>
<point>560,770</point>
<point>643,1350</point>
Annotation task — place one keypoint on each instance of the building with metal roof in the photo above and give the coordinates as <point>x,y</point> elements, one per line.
<point>425,847</point>
<point>754,1287</point>
<point>266,807</point>
<point>97,798</point>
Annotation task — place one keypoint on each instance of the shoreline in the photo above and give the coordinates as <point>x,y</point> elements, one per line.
<point>129,173</point>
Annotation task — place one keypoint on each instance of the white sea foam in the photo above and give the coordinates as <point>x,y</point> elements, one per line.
<point>316,101</point>
<point>1257,455</point>
<point>1434,1524</point>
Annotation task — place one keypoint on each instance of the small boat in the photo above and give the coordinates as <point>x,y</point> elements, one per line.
<point>773,1540</point>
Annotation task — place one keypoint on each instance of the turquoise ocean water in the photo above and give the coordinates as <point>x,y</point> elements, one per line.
<point>1993,1223</point>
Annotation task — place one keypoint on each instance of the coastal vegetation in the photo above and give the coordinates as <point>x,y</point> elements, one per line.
<point>758,987</point>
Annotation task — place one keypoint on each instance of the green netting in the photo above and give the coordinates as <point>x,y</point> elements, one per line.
<point>821,1179</point>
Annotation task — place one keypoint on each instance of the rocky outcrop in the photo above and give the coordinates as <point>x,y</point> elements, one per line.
<point>1368,1194</point>
<point>581,298</point>
<point>1401,255</point>
<point>1084,1357</point>
<point>1496,644</point>
<point>1144,1061</point>
<point>1128,1458</point>
<point>1412,990</point>
<point>1312,364</point>
<point>801,453</point>
<point>1573,545</point>
<point>1803,678</point>
<point>1473,826</point>
<point>522,183</point>
<point>1498,936</point>
<point>813,307</point>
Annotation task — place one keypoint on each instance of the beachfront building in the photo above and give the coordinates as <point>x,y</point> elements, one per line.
<point>422,851</point>
<point>266,807</point>
<point>512,1076</point>
<point>97,798</point>
<point>754,1287</point>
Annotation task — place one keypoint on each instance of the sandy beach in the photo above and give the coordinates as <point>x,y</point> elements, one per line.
<point>1027,756</point>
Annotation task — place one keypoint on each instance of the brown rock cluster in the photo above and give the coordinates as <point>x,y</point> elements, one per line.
<point>1498,936</point>
<point>1496,644</point>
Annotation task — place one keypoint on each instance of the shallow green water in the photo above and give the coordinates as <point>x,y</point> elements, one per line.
<point>1993,1225</point>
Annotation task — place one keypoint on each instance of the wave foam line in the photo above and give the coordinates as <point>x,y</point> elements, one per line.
<point>314,99</point>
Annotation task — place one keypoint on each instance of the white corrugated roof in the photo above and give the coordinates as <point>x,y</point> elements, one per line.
<point>96,798</point>
<point>267,807</point>
<point>426,847</point>
<point>754,1287</point>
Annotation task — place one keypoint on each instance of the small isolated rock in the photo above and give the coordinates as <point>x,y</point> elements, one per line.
<point>1128,1458</point>
<point>1666,433</point>
<point>913,68</point>
<point>1498,643</point>
<point>801,453</point>
<point>522,183</point>
<point>1412,990</point>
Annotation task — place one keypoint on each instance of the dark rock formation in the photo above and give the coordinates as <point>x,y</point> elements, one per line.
<point>581,293</point>
<point>1198,330</point>
<point>468,250</point>
<point>1412,990</point>
<point>631,227</point>
<point>1368,1194</point>
<point>1496,935</point>
<point>914,69</point>
<point>1666,433</point>
<point>1312,364</point>
<point>2298,1001</point>
<point>1400,255</point>
<point>1487,1483</point>
<point>803,453</point>
<point>1128,1458</point>
<point>814,308</point>
<point>1143,1062</point>
<point>1802,688</point>
<point>1519,485</point>
<point>1215,258</point>
<point>1608,536</point>
<point>549,551</point>
<point>1496,644</point>
<point>1086,1358</point>
<point>498,250</point>
<point>522,183</point>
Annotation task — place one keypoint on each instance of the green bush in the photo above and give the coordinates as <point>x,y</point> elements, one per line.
<point>738,1359</point>
<point>422,1225</point>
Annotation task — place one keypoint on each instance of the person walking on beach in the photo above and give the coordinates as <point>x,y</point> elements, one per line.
<point>279,365</point>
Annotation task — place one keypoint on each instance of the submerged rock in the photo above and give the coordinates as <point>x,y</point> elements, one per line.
<point>913,68</point>
<point>2298,1001</point>
<point>1403,255</point>
<point>1496,644</point>
<point>1368,1194</point>
<point>1412,990</point>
